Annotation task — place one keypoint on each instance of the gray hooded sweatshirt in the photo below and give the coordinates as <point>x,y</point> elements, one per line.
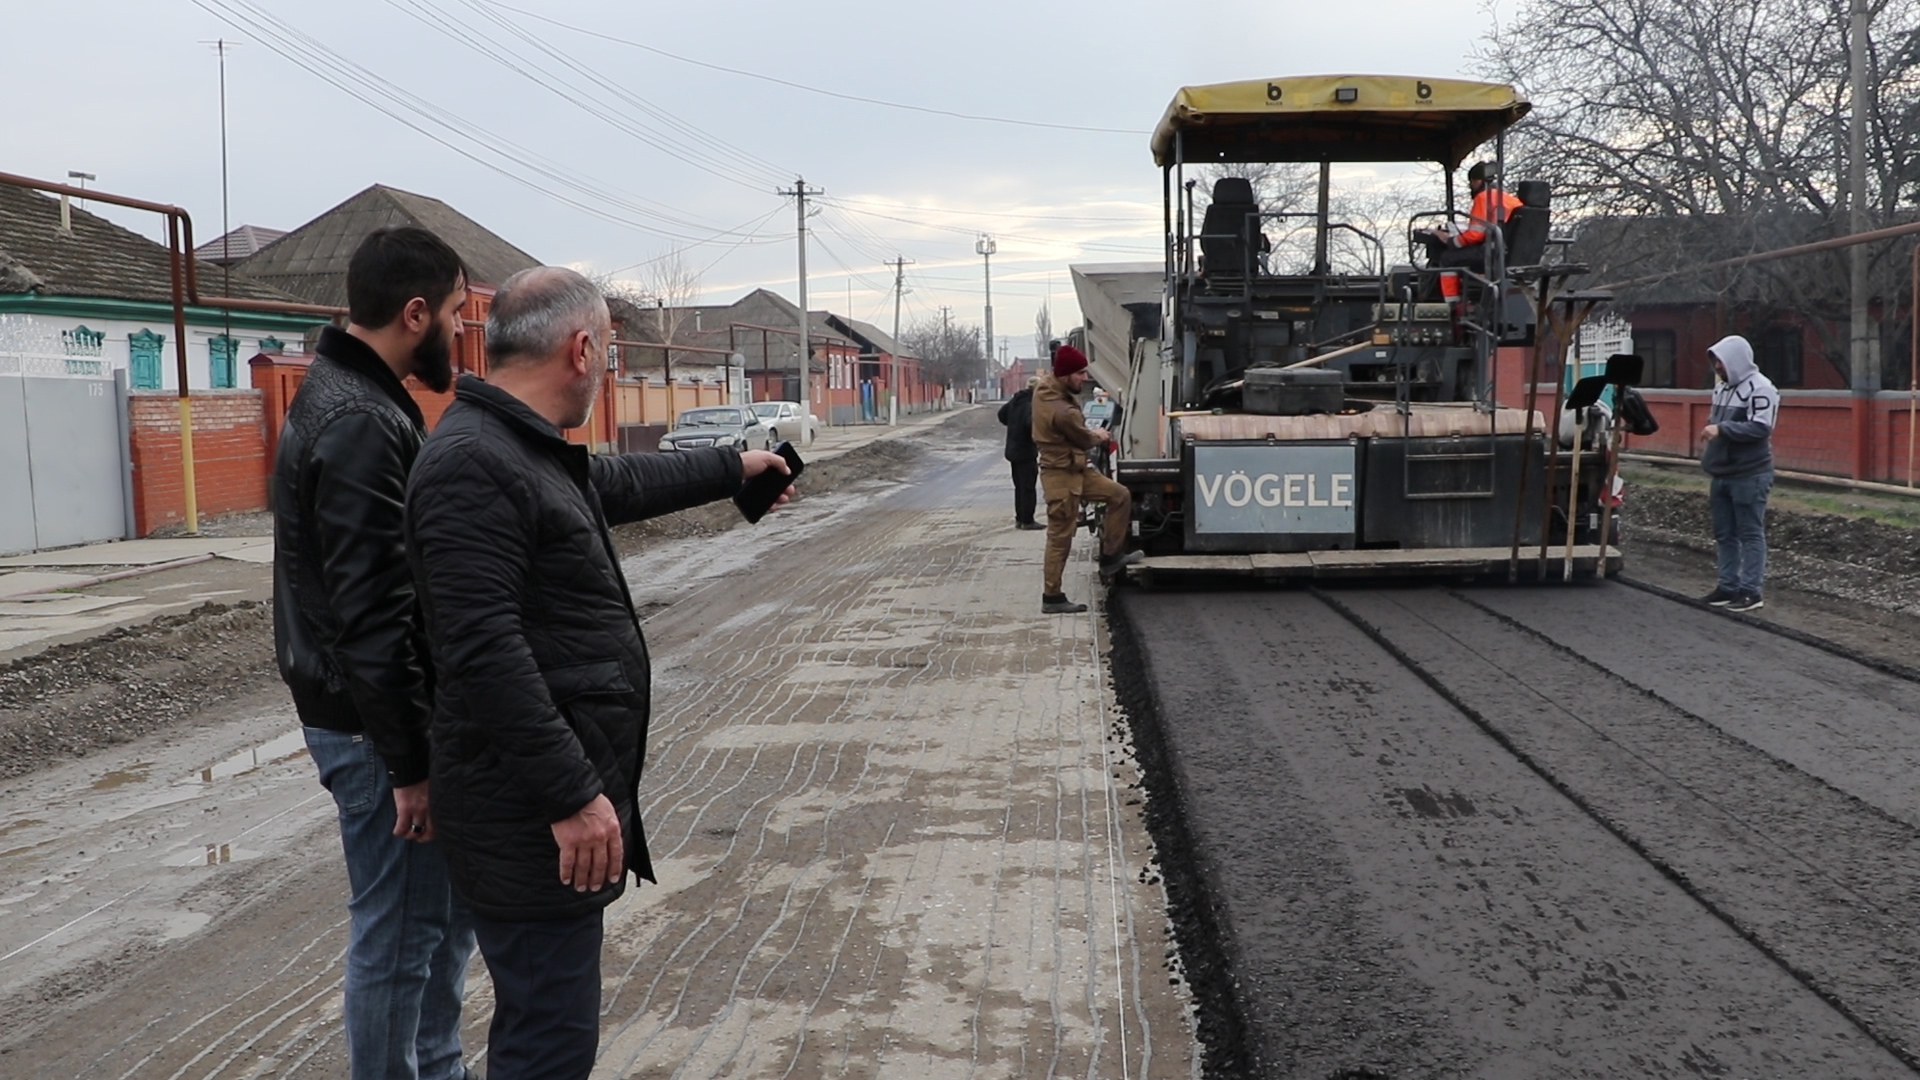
<point>1745,406</point>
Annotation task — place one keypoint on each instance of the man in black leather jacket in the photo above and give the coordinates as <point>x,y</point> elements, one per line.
<point>540,712</point>
<point>350,646</point>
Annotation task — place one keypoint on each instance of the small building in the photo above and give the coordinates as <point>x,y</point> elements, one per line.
<point>1014,379</point>
<point>310,262</point>
<point>887,368</point>
<point>94,298</point>
<point>1794,311</point>
<point>240,243</point>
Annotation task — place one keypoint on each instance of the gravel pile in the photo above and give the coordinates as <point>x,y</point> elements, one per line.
<point>73,699</point>
<point>889,461</point>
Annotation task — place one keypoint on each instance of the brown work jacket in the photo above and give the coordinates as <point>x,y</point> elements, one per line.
<point>1061,433</point>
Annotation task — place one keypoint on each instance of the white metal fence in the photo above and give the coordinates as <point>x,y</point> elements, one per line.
<point>63,442</point>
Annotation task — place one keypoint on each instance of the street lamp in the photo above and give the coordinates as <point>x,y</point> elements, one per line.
<point>986,247</point>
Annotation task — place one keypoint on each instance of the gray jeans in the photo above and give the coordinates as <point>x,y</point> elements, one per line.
<point>1739,505</point>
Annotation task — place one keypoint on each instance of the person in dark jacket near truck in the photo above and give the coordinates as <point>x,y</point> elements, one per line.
<point>347,636</point>
<point>1023,455</point>
<point>542,693</point>
<point>1739,458</point>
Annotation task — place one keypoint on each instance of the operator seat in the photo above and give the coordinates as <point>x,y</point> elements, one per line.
<point>1227,246</point>
<point>1525,230</point>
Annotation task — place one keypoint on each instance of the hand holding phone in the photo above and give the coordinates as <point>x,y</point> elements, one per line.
<point>760,493</point>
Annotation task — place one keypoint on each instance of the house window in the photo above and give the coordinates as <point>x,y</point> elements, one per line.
<point>272,346</point>
<point>1779,354</point>
<point>222,352</point>
<point>144,359</point>
<point>1656,347</point>
<point>81,341</point>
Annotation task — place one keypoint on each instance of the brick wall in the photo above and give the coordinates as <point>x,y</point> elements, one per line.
<point>1818,431</point>
<point>229,453</point>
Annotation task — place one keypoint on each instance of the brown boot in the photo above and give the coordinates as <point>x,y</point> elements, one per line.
<point>1111,565</point>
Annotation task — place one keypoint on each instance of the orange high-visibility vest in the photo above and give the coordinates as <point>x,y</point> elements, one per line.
<point>1483,215</point>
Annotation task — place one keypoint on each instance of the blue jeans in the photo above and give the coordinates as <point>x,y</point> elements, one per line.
<point>1739,505</point>
<point>411,938</point>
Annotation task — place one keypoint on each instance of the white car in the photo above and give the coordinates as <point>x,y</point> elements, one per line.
<point>782,420</point>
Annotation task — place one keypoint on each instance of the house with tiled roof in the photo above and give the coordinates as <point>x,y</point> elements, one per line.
<point>311,261</point>
<point>240,243</point>
<point>852,362</point>
<point>88,297</point>
<point>883,363</point>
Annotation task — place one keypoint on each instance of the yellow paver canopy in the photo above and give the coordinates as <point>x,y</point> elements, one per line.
<point>1336,118</point>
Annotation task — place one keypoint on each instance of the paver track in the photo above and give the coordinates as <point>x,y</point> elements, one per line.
<point>1570,832</point>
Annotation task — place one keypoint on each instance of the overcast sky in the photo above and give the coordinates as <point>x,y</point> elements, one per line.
<point>600,154</point>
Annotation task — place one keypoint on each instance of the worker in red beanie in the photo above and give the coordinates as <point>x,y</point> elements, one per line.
<point>1060,432</point>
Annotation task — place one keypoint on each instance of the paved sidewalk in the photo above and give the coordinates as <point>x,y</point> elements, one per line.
<point>831,442</point>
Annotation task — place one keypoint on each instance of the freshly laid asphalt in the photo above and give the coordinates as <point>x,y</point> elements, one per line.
<point>1569,832</point>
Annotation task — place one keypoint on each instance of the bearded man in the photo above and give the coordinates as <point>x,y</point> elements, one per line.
<point>348,636</point>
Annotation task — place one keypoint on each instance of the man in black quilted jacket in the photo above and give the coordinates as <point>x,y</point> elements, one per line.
<point>541,704</point>
<point>350,646</point>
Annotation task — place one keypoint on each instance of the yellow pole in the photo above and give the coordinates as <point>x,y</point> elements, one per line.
<point>177,260</point>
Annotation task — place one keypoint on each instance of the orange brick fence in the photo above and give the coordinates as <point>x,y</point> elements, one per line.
<point>1832,432</point>
<point>229,448</point>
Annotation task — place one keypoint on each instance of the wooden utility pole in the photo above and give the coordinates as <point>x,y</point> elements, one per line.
<point>800,192</point>
<point>893,376</point>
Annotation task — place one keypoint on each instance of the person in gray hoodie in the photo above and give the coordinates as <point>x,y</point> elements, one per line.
<point>1739,459</point>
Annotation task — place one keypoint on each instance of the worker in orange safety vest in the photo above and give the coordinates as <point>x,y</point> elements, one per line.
<point>1453,246</point>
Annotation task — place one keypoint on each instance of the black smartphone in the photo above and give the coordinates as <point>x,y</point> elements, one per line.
<point>760,493</point>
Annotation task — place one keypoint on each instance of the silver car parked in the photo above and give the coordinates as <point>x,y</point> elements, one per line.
<point>730,426</point>
<point>782,419</point>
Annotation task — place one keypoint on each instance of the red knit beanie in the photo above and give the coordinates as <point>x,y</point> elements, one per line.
<point>1067,361</point>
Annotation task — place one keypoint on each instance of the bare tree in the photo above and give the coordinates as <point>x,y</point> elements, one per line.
<point>1378,210</point>
<point>948,351</point>
<point>1672,107</point>
<point>1728,120</point>
<point>658,306</point>
<point>1042,330</point>
<point>1278,186</point>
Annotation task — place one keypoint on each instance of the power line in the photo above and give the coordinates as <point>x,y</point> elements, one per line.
<point>694,131</point>
<point>731,248</point>
<point>716,157</point>
<point>962,230</point>
<point>1134,218</point>
<point>803,86</point>
<point>314,57</point>
<point>749,239</point>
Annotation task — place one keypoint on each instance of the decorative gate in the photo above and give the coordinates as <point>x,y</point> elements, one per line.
<point>62,444</point>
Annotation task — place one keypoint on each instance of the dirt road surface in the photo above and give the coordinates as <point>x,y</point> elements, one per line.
<point>1569,832</point>
<point>889,805</point>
